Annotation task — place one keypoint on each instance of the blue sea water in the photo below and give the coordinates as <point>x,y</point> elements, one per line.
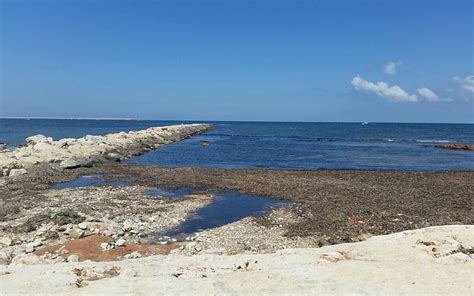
<point>402,146</point>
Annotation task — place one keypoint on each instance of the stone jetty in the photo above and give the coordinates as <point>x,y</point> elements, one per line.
<point>84,152</point>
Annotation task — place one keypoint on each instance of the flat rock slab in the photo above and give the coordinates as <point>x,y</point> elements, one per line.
<point>429,261</point>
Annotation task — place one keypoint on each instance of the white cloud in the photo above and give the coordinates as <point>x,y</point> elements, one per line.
<point>466,83</point>
<point>428,94</point>
<point>391,68</point>
<point>382,89</point>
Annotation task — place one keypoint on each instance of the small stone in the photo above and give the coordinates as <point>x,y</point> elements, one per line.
<point>6,241</point>
<point>17,172</point>
<point>107,233</point>
<point>134,255</point>
<point>37,243</point>
<point>29,248</point>
<point>127,227</point>
<point>192,248</point>
<point>104,246</point>
<point>120,242</point>
<point>82,225</point>
<point>75,233</point>
<point>73,258</point>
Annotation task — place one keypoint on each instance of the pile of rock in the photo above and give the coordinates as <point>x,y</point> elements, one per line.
<point>83,152</point>
<point>464,147</point>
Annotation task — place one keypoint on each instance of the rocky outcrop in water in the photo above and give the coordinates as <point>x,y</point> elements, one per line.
<point>84,152</point>
<point>464,147</point>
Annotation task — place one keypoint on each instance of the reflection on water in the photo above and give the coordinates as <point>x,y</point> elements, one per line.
<point>225,208</point>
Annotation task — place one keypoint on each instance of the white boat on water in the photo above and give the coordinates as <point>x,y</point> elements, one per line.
<point>365,123</point>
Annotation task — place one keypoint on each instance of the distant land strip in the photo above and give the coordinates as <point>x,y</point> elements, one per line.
<point>68,118</point>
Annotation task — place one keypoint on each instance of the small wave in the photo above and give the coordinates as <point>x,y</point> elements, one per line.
<point>433,141</point>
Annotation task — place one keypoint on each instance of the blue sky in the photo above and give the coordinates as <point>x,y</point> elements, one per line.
<point>408,61</point>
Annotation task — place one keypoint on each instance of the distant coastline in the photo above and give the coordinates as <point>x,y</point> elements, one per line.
<point>71,118</point>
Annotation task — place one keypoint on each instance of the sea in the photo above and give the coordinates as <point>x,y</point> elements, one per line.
<point>279,145</point>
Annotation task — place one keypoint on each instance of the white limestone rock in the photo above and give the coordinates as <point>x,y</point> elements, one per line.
<point>120,242</point>
<point>17,172</point>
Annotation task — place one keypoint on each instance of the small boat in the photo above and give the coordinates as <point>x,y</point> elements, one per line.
<point>365,123</point>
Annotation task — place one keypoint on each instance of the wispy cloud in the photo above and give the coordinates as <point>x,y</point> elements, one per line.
<point>428,94</point>
<point>391,68</point>
<point>466,83</point>
<point>382,89</point>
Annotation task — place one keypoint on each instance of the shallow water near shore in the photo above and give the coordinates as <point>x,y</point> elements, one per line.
<point>171,193</point>
<point>226,207</point>
<point>280,145</point>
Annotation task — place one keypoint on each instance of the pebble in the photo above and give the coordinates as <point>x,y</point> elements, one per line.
<point>75,233</point>
<point>82,225</point>
<point>29,248</point>
<point>17,172</point>
<point>37,243</point>
<point>120,242</point>
<point>73,258</point>
<point>134,255</point>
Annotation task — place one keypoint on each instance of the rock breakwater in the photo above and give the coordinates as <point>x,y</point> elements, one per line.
<point>84,152</point>
<point>464,147</point>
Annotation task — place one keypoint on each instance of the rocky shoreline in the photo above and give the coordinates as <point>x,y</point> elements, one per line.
<point>103,223</point>
<point>113,222</point>
<point>103,238</point>
<point>86,151</point>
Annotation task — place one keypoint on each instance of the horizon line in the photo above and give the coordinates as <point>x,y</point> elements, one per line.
<point>200,120</point>
<point>69,118</point>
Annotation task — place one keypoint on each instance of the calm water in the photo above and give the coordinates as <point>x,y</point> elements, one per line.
<point>281,145</point>
<point>226,207</point>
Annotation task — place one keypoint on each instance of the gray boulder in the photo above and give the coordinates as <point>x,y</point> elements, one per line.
<point>73,163</point>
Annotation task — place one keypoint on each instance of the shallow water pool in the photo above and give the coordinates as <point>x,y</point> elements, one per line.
<point>226,207</point>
